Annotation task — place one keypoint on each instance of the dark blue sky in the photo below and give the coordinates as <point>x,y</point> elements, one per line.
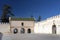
<point>26,8</point>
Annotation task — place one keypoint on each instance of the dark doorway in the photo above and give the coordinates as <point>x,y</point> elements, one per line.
<point>29,31</point>
<point>54,29</point>
<point>15,30</point>
<point>22,30</point>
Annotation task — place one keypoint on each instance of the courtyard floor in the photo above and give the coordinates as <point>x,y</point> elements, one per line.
<point>31,37</point>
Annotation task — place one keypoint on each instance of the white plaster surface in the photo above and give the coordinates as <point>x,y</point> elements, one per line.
<point>45,26</point>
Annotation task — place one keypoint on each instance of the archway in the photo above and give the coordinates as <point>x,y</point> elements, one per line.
<point>29,30</point>
<point>15,30</point>
<point>22,30</point>
<point>54,29</point>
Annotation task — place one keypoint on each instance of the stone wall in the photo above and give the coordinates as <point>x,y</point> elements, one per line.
<point>26,25</point>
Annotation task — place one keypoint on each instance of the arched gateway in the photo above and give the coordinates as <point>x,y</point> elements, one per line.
<point>15,30</point>
<point>29,30</point>
<point>54,29</point>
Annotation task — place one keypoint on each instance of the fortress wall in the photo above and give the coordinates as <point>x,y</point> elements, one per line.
<point>4,27</point>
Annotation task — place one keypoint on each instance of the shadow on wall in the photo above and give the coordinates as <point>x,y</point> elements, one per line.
<point>1,36</point>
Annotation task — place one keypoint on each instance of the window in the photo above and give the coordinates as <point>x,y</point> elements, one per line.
<point>22,30</point>
<point>15,30</point>
<point>29,30</point>
<point>22,24</point>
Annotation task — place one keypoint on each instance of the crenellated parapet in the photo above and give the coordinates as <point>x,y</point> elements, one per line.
<point>54,17</point>
<point>3,23</point>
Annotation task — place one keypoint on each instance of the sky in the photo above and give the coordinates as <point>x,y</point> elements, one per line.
<point>26,8</point>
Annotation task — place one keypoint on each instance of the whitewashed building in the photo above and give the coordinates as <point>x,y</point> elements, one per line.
<point>49,26</point>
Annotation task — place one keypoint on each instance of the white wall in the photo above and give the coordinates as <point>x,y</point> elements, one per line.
<point>36,28</point>
<point>45,26</point>
<point>4,27</point>
<point>42,28</point>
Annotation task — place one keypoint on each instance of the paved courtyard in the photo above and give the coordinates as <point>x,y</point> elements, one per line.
<point>31,37</point>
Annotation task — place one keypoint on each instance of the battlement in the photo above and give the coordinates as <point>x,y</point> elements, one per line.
<point>57,16</point>
<point>3,23</point>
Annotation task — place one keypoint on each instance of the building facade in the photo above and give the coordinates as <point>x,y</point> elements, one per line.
<point>18,25</point>
<point>22,25</point>
<point>49,26</point>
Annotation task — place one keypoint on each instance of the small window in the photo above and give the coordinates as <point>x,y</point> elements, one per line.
<point>22,24</point>
<point>15,30</point>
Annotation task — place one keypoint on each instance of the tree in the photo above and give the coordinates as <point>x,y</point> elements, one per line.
<point>6,13</point>
<point>39,18</point>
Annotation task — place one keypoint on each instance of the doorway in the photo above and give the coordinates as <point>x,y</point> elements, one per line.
<point>22,30</point>
<point>54,29</point>
<point>29,30</point>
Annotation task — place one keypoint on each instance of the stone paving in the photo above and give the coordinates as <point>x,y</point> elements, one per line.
<point>31,37</point>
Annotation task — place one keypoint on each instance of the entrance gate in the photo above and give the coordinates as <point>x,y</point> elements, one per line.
<point>54,29</point>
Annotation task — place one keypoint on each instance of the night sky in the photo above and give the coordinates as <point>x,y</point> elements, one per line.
<point>26,8</point>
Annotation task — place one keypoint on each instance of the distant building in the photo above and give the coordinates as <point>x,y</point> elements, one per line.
<point>28,25</point>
